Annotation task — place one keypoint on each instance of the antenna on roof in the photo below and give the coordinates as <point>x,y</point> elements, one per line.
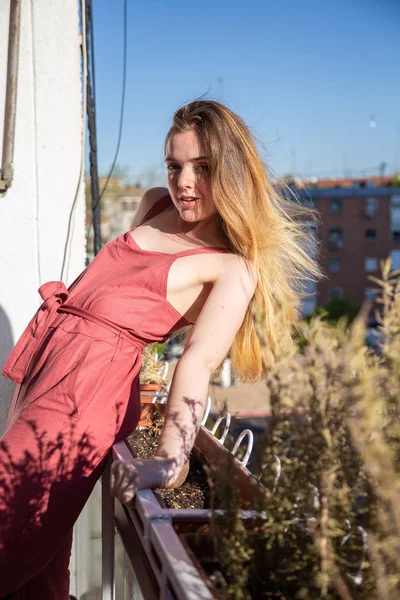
<point>347,170</point>
<point>382,169</point>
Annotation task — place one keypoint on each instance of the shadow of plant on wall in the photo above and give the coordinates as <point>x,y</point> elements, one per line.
<point>46,475</point>
<point>27,481</point>
<point>328,520</point>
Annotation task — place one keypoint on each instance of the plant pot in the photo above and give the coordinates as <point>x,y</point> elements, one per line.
<point>147,392</point>
<point>150,387</point>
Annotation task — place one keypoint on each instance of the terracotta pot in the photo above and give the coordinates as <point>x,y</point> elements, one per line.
<point>150,387</point>
<point>146,401</point>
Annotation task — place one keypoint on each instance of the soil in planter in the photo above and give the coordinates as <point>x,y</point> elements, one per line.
<point>194,493</point>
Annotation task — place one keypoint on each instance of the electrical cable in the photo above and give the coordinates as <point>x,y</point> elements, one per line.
<point>122,108</point>
<point>80,179</point>
<point>92,130</point>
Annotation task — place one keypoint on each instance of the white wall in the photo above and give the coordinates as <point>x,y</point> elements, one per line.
<point>34,212</point>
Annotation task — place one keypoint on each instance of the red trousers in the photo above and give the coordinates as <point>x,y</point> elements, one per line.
<point>71,413</point>
<point>45,480</point>
<point>79,395</point>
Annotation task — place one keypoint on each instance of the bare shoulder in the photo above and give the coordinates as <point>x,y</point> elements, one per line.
<point>237,273</point>
<point>226,269</point>
<point>147,201</point>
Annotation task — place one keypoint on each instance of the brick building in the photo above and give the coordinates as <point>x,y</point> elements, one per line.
<point>359,226</point>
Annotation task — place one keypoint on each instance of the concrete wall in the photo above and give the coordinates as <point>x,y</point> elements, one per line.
<point>34,213</point>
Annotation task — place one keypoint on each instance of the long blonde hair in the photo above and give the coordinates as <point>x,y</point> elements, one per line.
<point>258,222</point>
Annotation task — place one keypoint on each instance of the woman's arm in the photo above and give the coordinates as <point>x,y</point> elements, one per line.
<point>206,347</point>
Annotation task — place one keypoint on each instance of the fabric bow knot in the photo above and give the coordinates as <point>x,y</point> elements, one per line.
<point>53,293</point>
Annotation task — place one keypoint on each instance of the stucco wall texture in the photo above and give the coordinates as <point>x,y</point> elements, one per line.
<point>35,211</point>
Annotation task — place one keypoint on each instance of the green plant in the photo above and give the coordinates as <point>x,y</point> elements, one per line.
<point>229,534</point>
<point>159,348</point>
<point>396,180</point>
<point>334,310</point>
<point>329,525</point>
<point>151,366</point>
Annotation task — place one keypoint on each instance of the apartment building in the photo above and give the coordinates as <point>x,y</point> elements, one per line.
<point>118,207</point>
<point>359,226</point>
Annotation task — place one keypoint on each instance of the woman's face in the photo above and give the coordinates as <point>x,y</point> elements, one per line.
<point>188,177</point>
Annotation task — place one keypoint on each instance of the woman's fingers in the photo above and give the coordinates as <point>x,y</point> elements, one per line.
<point>127,477</point>
<point>123,480</point>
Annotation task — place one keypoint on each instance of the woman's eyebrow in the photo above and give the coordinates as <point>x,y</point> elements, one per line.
<point>171,158</point>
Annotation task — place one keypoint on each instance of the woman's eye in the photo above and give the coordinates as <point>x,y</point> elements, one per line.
<point>203,168</point>
<point>172,167</point>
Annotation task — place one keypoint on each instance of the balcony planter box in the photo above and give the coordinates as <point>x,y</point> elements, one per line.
<point>210,450</point>
<point>154,537</point>
<point>168,558</point>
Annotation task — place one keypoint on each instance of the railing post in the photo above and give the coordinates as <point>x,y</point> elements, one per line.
<point>107,535</point>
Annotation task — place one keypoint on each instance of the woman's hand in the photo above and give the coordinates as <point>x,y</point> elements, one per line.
<point>130,476</point>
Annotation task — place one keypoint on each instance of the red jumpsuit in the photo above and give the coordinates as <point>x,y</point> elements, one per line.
<point>78,364</point>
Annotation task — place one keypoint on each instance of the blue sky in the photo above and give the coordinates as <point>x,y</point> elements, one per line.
<point>306,75</point>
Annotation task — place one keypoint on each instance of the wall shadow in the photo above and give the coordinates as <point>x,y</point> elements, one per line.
<point>6,386</point>
<point>44,483</point>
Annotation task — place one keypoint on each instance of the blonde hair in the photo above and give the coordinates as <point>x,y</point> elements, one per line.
<point>258,222</point>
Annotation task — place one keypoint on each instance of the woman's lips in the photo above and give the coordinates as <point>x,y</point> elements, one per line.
<point>188,202</point>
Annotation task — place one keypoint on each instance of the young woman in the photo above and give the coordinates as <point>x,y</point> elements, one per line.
<point>217,244</point>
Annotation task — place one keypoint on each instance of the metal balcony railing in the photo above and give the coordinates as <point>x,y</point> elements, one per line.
<point>152,561</point>
<point>144,551</point>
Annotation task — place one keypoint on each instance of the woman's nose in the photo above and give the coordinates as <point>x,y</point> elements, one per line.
<point>186,178</point>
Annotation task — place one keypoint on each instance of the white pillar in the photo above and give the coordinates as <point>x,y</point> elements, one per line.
<point>34,213</point>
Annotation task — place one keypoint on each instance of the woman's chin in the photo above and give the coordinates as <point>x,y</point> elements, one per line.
<point>189,214</point>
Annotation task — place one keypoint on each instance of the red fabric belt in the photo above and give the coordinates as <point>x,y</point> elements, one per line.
<point>54,295</point>
<point>105,323</point>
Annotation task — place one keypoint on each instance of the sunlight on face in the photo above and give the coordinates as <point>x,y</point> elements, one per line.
<point>188,176</point>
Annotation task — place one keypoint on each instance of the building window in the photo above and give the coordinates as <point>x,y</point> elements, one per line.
<point>395,218</point>
<point>335,292</point>
<point>396,235</point>
<point>334,265</point>
<point>335,238</point>
<point>371,206</point>
<point>336,204</point>
<point>371,264</point>
<point>370,293</point>
<point>395,202</point>
<point>371,234</point>
<point>395,256</point>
